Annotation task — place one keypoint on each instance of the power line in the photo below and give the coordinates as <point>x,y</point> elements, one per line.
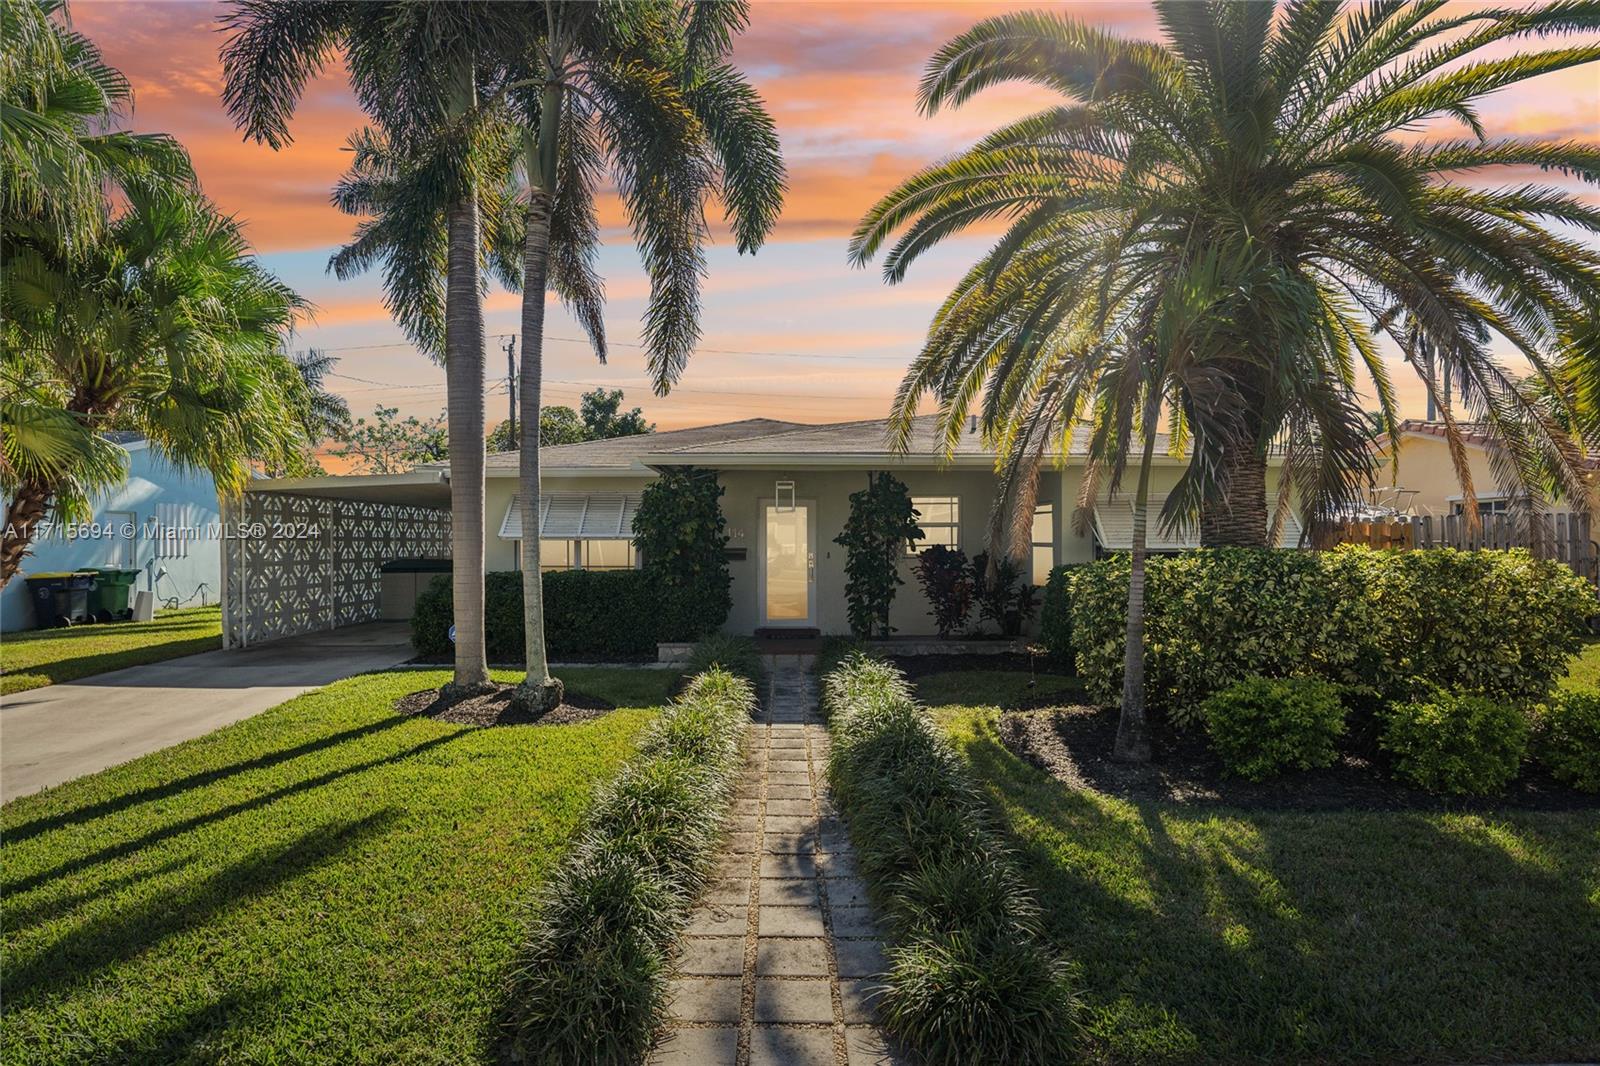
<point>634,344</point>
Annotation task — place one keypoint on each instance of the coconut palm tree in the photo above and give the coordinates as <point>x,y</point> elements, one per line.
<point>641,94</point>
<point>59,104</point>
<point>418,72</point>
<point>1276,136</point>
<point>163,324</point>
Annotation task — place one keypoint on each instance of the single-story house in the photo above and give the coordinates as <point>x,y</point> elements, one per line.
<point>1417,477</point>
<point>786,497</point>
<point>161,520</point>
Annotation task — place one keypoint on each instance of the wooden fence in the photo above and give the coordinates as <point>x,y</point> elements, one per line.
<point>1562,536</point>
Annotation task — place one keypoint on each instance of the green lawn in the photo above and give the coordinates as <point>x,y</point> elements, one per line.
<point>1584,670</point>
<point>324,883</point>
<point>1210,935</point>
<point>50,656</point>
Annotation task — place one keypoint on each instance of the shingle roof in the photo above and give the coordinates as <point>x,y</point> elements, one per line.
<point>621,452</point>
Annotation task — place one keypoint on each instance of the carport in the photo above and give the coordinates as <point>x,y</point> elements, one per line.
<point>306,554</point>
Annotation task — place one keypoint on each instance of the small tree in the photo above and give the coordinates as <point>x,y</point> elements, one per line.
<point>1004,598</point>
<point>948,585</point>
<point>682,534</point>
<point>882,521</point>
<point>604,418</point>
<point>392,445</point>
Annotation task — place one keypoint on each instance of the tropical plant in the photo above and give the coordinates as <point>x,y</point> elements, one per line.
<point>58,143</point>
<point>1460,743</point>
<point>641,94</point>
<point>163,324</point>
<point>1569,739</point>
<point>1259,728</point>
<point>947,583</point>
<point>1275,140</point>
<point>390,444</point>
<point>682,536</point>
<point>421,172</point>
<point>1003,597</point>
<point>882,522</point>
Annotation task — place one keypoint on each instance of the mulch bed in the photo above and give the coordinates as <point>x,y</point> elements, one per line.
<point>495,708</point>
<point>1073,744</point>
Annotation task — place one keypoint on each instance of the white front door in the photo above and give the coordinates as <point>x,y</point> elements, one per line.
<point>788,564</point>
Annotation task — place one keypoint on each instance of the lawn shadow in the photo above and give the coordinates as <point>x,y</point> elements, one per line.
<point>1220,935</point>
<point>88,812</point>
<point>95,945</point>
<point>167,832</point>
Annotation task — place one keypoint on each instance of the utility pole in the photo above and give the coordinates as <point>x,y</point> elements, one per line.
<point>511,386</point>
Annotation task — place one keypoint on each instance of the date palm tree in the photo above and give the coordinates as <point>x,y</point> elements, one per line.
<point>418,72</point>
<point>641,94</point>
<point>163,324</point>
<point>1275,136</point>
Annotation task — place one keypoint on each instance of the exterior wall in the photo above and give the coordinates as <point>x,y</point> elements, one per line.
<point>1424,464</point>
<point>156,495</point>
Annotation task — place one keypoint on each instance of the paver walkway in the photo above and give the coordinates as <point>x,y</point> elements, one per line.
<point>777,961</point>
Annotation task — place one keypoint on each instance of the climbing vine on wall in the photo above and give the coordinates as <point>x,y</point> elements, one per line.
<point>881,521</point>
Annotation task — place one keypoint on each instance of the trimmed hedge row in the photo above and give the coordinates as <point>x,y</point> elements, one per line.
<point>588,614</point>
<point>971,978</point>
<point>591,985</point>
<point>1384,625</point>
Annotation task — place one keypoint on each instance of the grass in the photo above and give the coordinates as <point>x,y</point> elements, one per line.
<point>1583,672</point>
<point>1214,935</point>
<point>326,882</point>
<point>51,656</point>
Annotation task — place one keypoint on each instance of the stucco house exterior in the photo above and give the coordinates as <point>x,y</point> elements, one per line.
<point>786,496</point>
<point>160,520</point>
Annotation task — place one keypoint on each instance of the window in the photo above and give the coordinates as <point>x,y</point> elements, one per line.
<point>582,554</point>
<point>1043,540</point>
<point>940,519</point>
<point>1485,506</point>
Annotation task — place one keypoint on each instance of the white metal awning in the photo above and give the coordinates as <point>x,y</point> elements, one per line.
<point>576,516</point>
<point>1113,528</point>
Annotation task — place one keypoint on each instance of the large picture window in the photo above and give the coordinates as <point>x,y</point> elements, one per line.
<point>940,519</point>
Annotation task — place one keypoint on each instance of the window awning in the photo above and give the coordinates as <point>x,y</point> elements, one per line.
<point>576,516</point>
<point>1113,528</point>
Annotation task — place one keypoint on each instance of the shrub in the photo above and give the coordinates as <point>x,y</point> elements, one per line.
<point>1462,744</point>
<point>590,984</point>
<point>947,584</point>
<point>682,534</point>
<point>1260,728</point>
<point>881,521</point>
<point>971,977</point>
<point>737,655</point>
<point>1055,617</point>
<point>1569,744</point>
<point>1396,622</point>
<point>1008,601</point>
<point>588,614</point>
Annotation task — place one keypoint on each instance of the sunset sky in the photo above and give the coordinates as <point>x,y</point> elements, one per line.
<point>792,333</point>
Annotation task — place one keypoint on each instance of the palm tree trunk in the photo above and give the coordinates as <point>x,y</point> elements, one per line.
<point>27,509</point>
<point>539,691</point>
<point>1133,730</point>
<point>463,343</point>
<point>1239,517</point>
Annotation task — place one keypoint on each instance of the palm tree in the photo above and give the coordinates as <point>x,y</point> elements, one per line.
<point>58,148</point>
<point>1272,136</point>
<point>163,324</point>
<point>417,71</point>
<point>642,94</point>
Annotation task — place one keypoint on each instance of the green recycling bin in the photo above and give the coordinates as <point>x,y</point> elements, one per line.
<point>113,588</point>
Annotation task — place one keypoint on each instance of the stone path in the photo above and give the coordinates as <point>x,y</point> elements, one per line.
<point>777,961</point>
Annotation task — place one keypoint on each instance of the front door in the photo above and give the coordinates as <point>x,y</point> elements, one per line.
<point>789,565</point>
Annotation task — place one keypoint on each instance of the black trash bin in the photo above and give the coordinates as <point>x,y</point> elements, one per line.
<point>60,599</point>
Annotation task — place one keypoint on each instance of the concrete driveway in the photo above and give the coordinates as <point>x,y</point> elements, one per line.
<point>53,734</point>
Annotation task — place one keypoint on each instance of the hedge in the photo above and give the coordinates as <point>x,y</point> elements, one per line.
<point>1384,625</point>
<point>590,984</point>
<point>971,977</point>
<point>588,614</point>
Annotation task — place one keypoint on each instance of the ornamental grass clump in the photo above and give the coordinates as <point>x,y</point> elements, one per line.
<point>971,978</point>
<point>590,985</point>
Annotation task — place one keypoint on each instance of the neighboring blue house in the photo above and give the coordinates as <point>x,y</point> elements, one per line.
<point>161,520</point>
